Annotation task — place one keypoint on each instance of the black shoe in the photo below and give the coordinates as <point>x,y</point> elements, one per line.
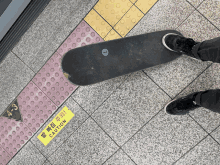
<point>181,105</point>
<point>177,43</point>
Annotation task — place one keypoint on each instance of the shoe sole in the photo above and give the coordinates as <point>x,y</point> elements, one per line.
<point>164,43</point>
<point>165,108</point>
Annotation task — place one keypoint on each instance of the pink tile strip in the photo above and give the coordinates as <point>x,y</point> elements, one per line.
<point>14,134</point>
<point>35,106</point>
<point>4,157</point>
<point>81,36</point>
<point>52,82</point>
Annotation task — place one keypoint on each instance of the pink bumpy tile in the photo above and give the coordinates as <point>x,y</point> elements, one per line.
<point>52,82</point>
<point>4,157</point>
<point>81,36</point>
<point>35,106</point>
<point>14,134</point>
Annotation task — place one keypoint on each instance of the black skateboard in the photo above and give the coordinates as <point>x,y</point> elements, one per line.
<point>106,60</point>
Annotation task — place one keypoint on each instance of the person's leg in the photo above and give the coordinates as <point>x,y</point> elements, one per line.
<point>209,99</point>
<point>208,50</point>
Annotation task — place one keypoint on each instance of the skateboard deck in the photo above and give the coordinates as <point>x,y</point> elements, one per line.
<point>98,62</point>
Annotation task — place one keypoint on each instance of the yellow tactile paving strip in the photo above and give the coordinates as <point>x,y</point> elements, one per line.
<point>112,10</point>
<point>113,19</point>
<point>130,19</point>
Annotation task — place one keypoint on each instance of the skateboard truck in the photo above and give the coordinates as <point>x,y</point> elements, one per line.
<point>105,52</point>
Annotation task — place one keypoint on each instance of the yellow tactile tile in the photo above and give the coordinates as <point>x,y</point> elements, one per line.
<point>131,18</point>
<point>112,10</point>
<point>145,5</point>
<point>97,23</point>
<point>133,1</point>
<point>112,35</point>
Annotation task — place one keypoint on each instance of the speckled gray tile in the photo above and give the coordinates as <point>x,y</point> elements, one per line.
<point>195,3</point>
<point>14,76</point>
<point>175,75</point>
<point>47,49</point>
<point>216,134</point>
<point>208,119</point>
<point>87,145</point>
<point>50,29</point>
<point>29,154</point>
<point>41,30</point>
<point>206,152</point>
<point>47,163</point>
<point>164,139</point>
<point>130,107</point>
<point>92,96</point>
<point>197,27</point>
<point>211,10</point>
<point>119,158</point>
<point>165,14</point>
<point>72,125</point>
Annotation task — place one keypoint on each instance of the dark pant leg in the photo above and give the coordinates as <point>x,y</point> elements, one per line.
<point>208,50</point>
<point>209,99</point>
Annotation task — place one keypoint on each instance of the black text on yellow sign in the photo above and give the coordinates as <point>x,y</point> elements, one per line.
<point>55,126</point>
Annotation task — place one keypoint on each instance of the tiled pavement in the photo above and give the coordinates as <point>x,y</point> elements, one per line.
<point>118,121</point>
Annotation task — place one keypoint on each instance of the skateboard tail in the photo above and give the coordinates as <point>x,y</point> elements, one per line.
<point>65,67</point>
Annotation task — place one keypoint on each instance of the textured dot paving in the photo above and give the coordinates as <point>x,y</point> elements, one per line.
<point>81,36</point>
<point>98,23</point>
<point>35,106</point>
<point>14,134</point>
<point>112,10</point>
<point>144,5</point>
<point>130,19</point>
<point>52,82</point>
<point>4,156</point>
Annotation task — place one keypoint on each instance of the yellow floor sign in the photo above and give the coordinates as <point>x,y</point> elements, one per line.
<point>55,126</point>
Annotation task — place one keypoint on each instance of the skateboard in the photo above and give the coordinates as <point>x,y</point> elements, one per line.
<point>98,62</point>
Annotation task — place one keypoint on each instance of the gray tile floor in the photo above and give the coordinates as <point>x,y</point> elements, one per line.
<point>122,121</point>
